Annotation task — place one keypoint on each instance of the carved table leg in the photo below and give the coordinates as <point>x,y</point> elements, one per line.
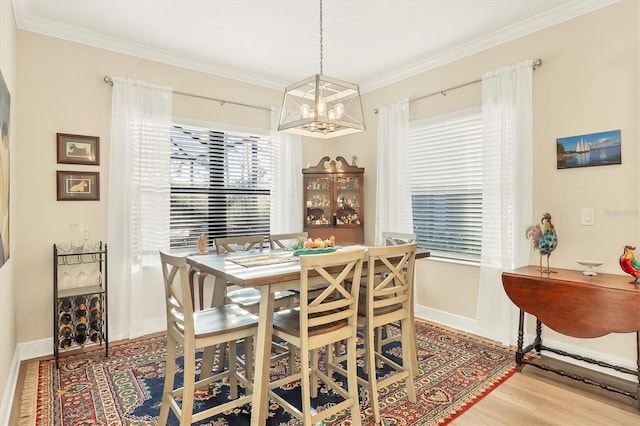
<point>519,352</point>
<point>538,342</point>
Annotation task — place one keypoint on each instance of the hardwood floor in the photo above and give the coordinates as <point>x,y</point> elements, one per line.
<point>537,397</point>
<point>530,397</point>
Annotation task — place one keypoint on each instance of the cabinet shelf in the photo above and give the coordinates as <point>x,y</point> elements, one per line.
<point>80,291</point>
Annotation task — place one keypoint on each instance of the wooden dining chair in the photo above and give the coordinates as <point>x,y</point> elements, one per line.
<point>197,330</point>
<point>398,238</point>
<point>249,299</point>
<point>320,322</point>
<point>394,239</point>
<point>385,299</point>
<point>285,241</point>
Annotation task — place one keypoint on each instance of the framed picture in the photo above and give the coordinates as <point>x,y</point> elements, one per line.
<point>78,186</point>
<point>594,149</point>
<point>77,149</point>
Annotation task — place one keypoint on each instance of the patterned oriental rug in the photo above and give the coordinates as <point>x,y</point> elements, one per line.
<point>456,370</point>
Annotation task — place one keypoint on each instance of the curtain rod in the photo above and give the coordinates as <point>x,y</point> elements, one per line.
<point>109,80</point>
<point>536,63</point>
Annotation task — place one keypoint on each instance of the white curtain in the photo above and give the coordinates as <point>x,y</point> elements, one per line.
<point>286,186</point>
<point>393,188</point>
<point>507,192</point>
<point>138,203</point>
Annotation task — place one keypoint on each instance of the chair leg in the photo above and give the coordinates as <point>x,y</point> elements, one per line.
<point>292,358</point>
<point>409,357</point>
<point>233,366</point>
<point>315,360</point>
<point>169,377</point>
<point>352,381</point>
<point>248,358</point>
<point>189,386</point>
<point>208,358</point>
<point>305,387</point>
<point>370,353</point>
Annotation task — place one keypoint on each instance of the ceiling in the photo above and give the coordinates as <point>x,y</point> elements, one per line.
<point>274,43</point>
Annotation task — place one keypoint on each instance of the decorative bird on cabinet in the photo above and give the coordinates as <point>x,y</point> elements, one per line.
<point>629,264</point>
<point>544,238</point>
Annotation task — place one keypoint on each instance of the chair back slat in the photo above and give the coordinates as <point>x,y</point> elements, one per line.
<point>283,241</point>
<point>339,300</point>
<point>236,244</point>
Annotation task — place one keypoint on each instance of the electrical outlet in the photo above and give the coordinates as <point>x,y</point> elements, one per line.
<point>587,216</point>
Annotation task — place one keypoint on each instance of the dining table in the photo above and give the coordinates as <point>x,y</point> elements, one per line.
<point>269,271</point>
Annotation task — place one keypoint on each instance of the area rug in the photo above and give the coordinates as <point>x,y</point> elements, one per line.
<point>456,370</point>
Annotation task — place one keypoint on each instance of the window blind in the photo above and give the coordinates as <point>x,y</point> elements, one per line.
<point>446,184</point>
<point>219,185</point>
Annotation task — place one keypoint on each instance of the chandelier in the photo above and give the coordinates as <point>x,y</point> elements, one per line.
<point>320,106</point>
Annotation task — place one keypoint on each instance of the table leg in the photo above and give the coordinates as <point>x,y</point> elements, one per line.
<point>260,400</point>
<point>537,344</point>
<point>519,351</point>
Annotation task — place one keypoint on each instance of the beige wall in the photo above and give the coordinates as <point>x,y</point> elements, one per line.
<point>8,282</point>
<point>588,83</point>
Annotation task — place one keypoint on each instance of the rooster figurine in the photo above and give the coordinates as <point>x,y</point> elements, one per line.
<point>629,264</point>
<point>544,239</point>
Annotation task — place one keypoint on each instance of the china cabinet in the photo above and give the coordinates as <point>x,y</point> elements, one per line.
<point>79,298</point>
<point>333,200</point>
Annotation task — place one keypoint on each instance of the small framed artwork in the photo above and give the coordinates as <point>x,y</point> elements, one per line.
<point>77,149</point>
<point>594,149</point>
<point>78,186</point>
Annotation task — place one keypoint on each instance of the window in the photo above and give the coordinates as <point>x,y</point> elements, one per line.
<point>219,184</point>
<point>446,183</point>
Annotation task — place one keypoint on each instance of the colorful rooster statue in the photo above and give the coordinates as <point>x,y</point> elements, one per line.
<point>544,239</point>
<point>629,264</point>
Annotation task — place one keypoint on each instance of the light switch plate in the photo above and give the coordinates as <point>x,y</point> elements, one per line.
<point>587,216</point>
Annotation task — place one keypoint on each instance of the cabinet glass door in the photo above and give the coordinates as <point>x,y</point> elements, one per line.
<point>318,203</point>
<point>348,203</point>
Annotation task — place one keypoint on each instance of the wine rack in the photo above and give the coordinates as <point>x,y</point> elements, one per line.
<point>80,303</point>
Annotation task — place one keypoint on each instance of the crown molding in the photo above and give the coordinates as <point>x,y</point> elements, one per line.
<point>512,32</point>
<point>25,21</point>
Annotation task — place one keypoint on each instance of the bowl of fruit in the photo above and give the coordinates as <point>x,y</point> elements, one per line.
<point>315,246</point>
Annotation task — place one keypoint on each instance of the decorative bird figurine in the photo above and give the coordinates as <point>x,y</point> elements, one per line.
<point>629,264</point>
<point>545,239</point>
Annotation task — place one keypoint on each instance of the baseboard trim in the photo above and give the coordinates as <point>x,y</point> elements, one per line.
<point>10,389</point>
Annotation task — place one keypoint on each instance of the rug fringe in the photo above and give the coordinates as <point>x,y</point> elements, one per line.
<point>29,396</point>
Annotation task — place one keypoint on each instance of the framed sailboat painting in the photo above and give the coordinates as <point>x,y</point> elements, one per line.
<point>594,149</point>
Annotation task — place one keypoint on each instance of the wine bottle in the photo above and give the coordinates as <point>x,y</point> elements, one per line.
<point>65,342</point>
<point>80,300</point>
<point>65,331</point>
<point>81,311</point>
<point>95,324</point>
<point>65,318</point>
<point>81,325</point>
<point>94,304</point>
<point>81,338</point>
<point>95,336</point>
<point>81,331</point>
<point>65,305</point>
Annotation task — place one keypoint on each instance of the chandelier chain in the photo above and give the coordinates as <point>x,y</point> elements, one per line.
<point>321,38</point>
